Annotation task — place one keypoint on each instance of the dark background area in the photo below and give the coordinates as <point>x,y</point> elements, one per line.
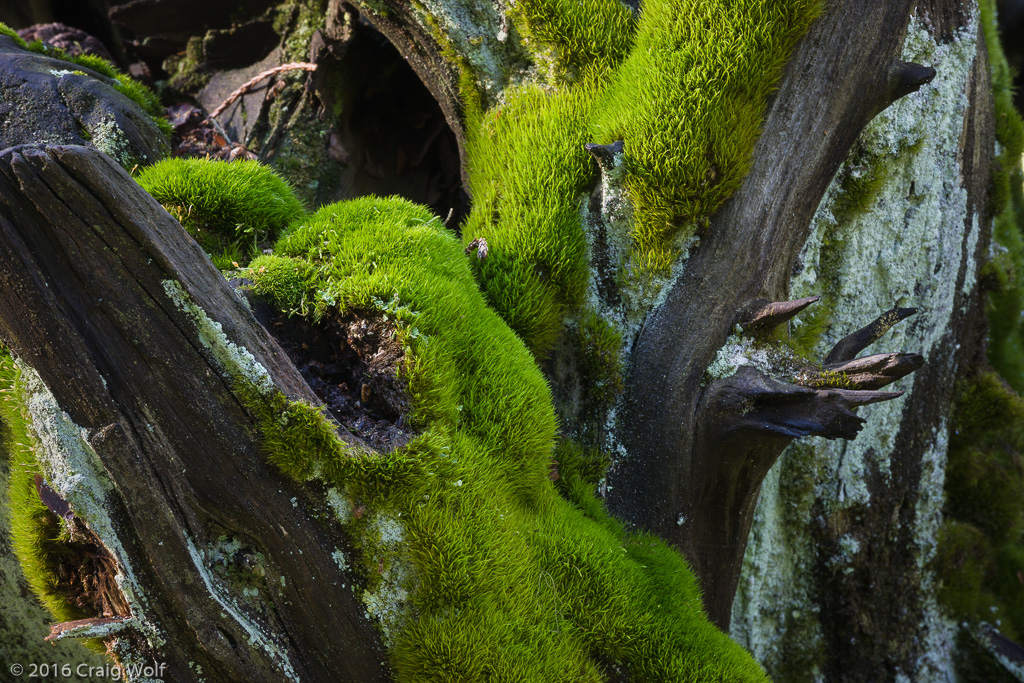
<point>91,16</point>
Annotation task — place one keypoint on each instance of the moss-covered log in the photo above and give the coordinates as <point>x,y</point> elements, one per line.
<point>129,385</point>
<point>646,178</point>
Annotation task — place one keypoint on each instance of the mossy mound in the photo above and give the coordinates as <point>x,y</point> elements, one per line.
<point>527,168</point>
<point>230,209</point>
<point>981,545</point>
<point>684,85</point>
<point>124,83</point>
<point>478,569</point>
<point>1004,274</point>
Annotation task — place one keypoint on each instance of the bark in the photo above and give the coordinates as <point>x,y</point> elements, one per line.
<point>842,74</point>
<point>696,456</point>
<point>84,262</point>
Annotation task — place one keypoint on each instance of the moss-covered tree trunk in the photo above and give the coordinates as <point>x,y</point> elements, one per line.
<point>869,187</point>
<point>695,216</point>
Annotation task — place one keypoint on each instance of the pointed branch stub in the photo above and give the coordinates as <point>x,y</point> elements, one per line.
<point>857,398</point>
<point>849,346</point>
<point>874,372</point>
<point>907,77</point>
<point>762,316</point>
<point>605,154</point>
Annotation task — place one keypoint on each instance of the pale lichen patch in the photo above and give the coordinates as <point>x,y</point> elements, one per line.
<point>257,636</point>
<point>386,600</point>
<point>111,140</point>
<point>236,362</point>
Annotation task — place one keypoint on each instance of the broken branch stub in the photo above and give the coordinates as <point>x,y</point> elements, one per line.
<point>605,155</point>
<point>848,347</point>
<point>907,77</point>
<point>869,372</point>
<point>130,331</point>
<point>764,316</point>
<point>743,423</point>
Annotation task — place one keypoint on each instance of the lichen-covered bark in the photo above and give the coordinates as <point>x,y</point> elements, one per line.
<point>844,531</point>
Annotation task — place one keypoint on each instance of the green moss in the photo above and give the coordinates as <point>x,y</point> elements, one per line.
<point>1006,335</point>
<point>599,355</point>
<point>527,167</point>
<point>127,86</point>
<point>577,35</point>
<point>39,538</point>
<point>688,103</point>
<point>963,558</point>
<point>684,86</point>
<point>580,469</point>
<point>6,30</point>
<point>231,209</point>
<point>506,579</point>
<point>981,546</point>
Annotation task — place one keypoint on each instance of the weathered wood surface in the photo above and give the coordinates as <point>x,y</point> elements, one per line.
<point>44,98</point>
<point>840,76</point>
<point>84,252</point>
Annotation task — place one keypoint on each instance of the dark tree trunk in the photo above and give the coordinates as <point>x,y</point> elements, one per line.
<point>844,72</point>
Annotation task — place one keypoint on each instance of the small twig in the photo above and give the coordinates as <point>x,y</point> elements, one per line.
<point>220,129</point>
<point>248,85</point>
<point>93,627</point>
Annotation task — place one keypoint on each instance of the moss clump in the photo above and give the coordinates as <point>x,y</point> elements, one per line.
<point>124,83</point>
<point>599,347</point>
<point>684,86</point>
<point>527,169</point>
<point>231,209</point>
<point>1006,272</point>
<point>688,102</point>
<point>579,35</point>
<point>981,546</point>
<point>503,578</point>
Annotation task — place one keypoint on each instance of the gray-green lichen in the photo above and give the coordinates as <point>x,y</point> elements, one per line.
<point>913,245</point>
<point>236,362</point>
<point>111,140</point>
<point>480,32</point>
<point>739,350</point>
<point>224,597</point>
<point>386,600</point>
